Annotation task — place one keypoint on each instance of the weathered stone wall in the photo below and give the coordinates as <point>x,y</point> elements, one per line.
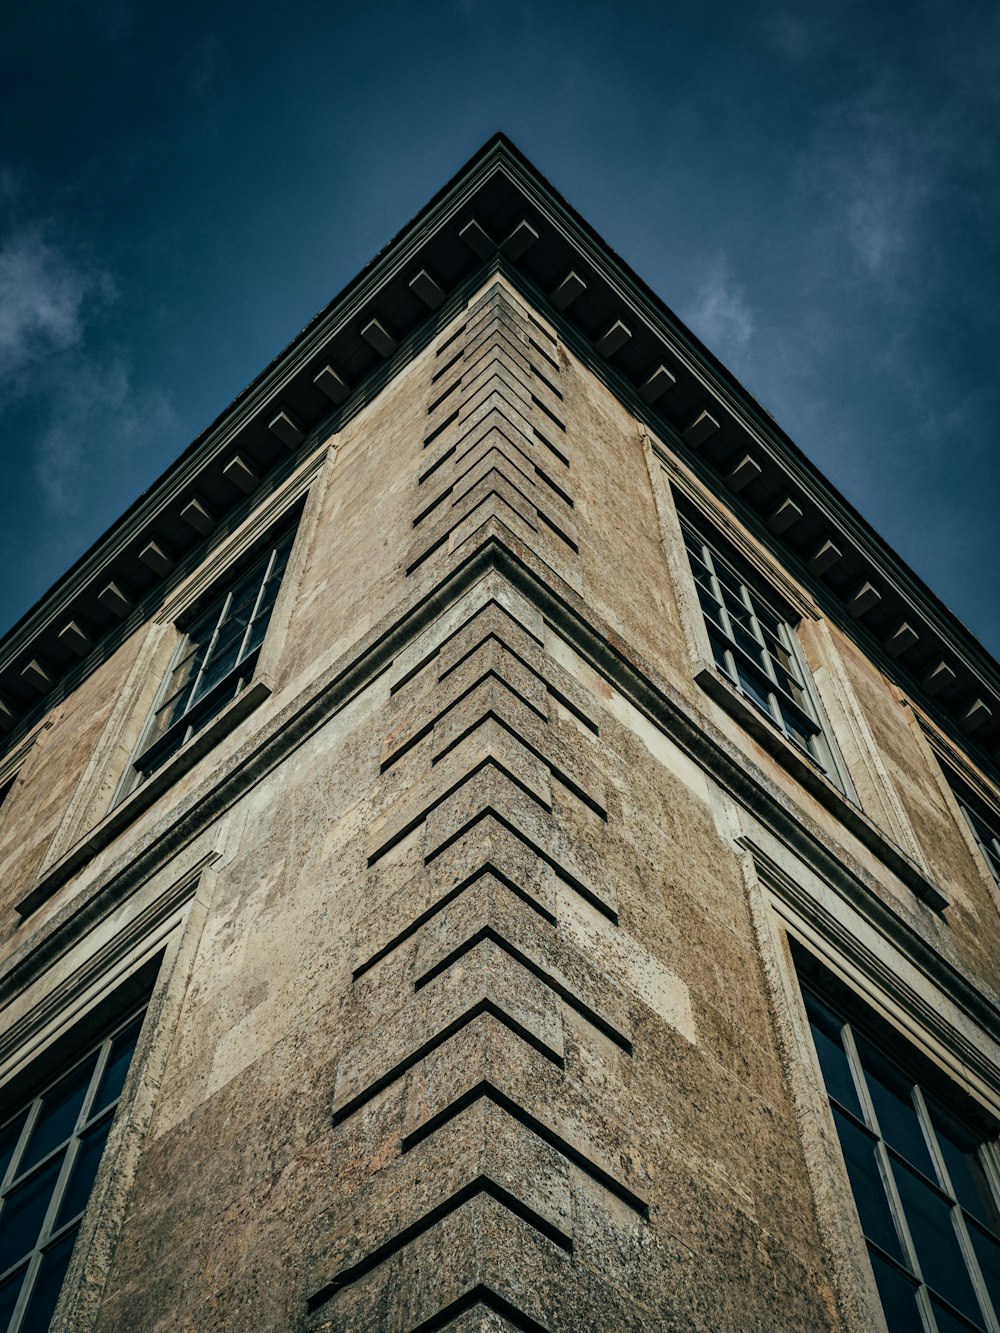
<point>48,779</point>
<point>476,1031</point>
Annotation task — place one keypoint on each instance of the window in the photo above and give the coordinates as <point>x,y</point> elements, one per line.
<point>216,658</point>
<point>755,649</point>
<point>985,827</point>
<point>923,1177</point>
<point>50,1150</point>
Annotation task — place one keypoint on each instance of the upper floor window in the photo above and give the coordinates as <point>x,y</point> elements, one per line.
<point>215,659</point>
<point>923,1176</point>
<point>50,1150</point>
<point>985,827</point>
<point>755,648</point>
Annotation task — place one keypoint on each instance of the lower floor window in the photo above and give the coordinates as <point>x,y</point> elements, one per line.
<point>50,1150</point>
<point>923,1175</point>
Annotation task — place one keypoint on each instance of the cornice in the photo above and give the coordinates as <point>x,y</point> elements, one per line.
<point>498,211</point>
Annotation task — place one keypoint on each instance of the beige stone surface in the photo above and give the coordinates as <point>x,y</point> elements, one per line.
<point>477,1032</point>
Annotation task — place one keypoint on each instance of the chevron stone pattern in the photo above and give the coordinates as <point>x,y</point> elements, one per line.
<point>462,989</point>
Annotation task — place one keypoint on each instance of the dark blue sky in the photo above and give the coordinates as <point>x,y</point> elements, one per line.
<point>813,188</point>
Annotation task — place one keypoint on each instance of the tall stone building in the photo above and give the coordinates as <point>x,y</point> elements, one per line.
<point>492,840</point>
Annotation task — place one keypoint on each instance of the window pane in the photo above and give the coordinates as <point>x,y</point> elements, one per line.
<point>929,1218</point>
<point>241,605</point>
<point>9,1136</point>
<point>750,687</point>
<point>988,1254</point>
<point>960,1151</point>
<point>801,735</point>
<point>950,1323</point>
<point>270,594</point>
<point>745,640</point>
<point>892,1096</point>
<point>220,666</point>
<point>9,1293</point>
<point>789,684</point>
<point>83,1171</point>
<point>738,613</point>
<point>60,1108</point>
<point>257,632</point>
<point>710,607</point>
<point>721,660</point>
<point>899,1297</point>
<point>47,1286</point>
<point>832,1057</point>
<point>182,680</point>
<point>23,1213</point>
<point>860,1156</point>
<point>113,1078</point>
<point>767,620</point>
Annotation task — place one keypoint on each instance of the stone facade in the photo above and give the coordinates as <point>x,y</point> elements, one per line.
<point>474,924</point>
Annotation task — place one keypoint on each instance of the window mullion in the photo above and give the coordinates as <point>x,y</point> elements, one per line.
<point>69,1153</point>
<point>925,1307</point>
<point>768,663</point>
<point>989,1160</point>
<point>256,605</point>
<point>193,694</point>
<point>724,617</point>
<point>884,1160</point>
<point>898,1211</point>
<point>975,1272</point>
<point>22,1139</point>
<point>58,1191</point>
<point>27,1288</point>
<point>958,1220</point>
<point>95,1082</point>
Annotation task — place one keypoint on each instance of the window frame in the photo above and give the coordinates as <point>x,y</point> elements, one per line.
<point>155,750</point>
<point>54,1229</point>
<point>985,834</point>
<point>930,1087</point>
<point>757,596</point>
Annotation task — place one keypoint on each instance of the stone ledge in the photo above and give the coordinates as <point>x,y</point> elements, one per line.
<point>145,795</point>
<point>815,781</point>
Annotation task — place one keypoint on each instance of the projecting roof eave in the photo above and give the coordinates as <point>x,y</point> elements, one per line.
<point>498,202</point>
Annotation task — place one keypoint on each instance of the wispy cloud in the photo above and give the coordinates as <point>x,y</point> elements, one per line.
<point>799,35</point>
<point>892,150</point>
<point>720,314</point>
<point>88,415</point>
<point>97,418</point>
<point>879,160</point>
<point>45,300</point>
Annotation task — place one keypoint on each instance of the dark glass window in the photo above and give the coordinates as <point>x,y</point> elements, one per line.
<point>215,660</point>
<point>921,1180</point>
<point>50,1150</point>
<point>985,827</point>
<point>754,647</point>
